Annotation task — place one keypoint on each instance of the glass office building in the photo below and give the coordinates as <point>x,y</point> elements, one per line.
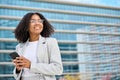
<point>103,64</point>
<point>88,36</point>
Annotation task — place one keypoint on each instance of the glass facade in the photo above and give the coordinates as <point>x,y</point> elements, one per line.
<point>80,18</point>
<point>103,64</point>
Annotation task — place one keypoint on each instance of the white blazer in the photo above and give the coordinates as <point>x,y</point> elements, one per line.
<point>49,59</point>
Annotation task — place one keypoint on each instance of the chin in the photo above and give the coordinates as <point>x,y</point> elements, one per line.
<point>36,33</point>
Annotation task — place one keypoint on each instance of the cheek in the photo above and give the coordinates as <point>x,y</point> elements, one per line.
<point>41,27</point>
<point>31,29</point>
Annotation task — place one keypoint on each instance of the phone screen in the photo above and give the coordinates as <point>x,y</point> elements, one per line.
<point>13,55</point>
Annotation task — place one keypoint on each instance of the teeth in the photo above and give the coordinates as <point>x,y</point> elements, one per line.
<point>36,27</point>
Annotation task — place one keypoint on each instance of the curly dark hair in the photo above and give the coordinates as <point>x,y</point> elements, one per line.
<point>21,31</point>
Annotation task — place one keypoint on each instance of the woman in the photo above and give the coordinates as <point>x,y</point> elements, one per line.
<point>39,54</point>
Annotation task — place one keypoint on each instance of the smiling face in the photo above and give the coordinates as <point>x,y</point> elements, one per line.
<point>36,25</point>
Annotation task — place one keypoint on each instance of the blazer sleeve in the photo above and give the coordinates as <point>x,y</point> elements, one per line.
<point>55,66</point>
<point>17,75</point>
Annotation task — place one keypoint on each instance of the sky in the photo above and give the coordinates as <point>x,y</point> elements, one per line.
<point>115,3</point>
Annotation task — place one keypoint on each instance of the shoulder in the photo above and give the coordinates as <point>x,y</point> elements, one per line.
<point>19,48</point>
<point>52,43</point>
<point>50,39</point>
<point>20,45</point>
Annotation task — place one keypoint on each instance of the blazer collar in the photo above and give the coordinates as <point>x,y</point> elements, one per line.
<point>41,40</point>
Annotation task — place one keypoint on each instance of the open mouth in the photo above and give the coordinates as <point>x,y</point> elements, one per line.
<point>37,28</point>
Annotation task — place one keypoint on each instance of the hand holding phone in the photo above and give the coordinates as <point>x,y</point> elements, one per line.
<point>13,55</point>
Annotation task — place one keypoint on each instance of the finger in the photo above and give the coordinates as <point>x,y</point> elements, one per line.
<point>23,58</point>
<point>14,61</point>
<point>18,67</point>
<point>18,61</point>
<point>19,58</point>
<point>24,62</point>
<point>21,64</point>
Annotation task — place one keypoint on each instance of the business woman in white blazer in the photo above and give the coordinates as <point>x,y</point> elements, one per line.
<point>40,57</point>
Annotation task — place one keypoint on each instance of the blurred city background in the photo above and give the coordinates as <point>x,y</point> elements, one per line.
<point>88,33</point>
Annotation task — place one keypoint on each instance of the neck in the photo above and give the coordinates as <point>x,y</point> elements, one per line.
<point>34,38</point>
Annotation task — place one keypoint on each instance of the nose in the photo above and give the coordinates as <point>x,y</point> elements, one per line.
<point>37,22</point>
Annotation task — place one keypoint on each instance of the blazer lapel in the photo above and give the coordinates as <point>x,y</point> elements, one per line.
<point>41,49</point>
<point>24,47</point>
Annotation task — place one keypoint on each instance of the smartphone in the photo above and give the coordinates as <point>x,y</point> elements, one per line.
<point>13,55</point>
